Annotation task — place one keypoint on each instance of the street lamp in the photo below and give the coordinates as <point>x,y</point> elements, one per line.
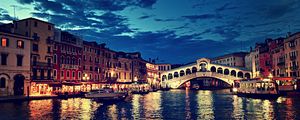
<point>270,76</point>
<point>135,79</point>
<point>85,77</point>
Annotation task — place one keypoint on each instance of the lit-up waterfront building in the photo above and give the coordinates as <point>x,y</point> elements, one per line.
<point>67,69</point>
<point>63,62</point>
<point>42,34</point>
<point>14,64</point>
<point>152,74</point>
<point>292,59</point>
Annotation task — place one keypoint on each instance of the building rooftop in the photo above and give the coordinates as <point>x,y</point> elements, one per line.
<point>238,54</point>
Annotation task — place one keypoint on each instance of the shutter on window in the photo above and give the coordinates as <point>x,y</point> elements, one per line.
<point>7,42</point>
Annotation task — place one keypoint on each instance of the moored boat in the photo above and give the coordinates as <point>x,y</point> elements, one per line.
<point>106,94</point>
<point>286,85</point>
<point>256,88</point>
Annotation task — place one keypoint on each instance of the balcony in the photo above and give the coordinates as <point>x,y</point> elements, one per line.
<point>295,67</point>
<point>66,66</point>
<point>280,63</point>
<point>293,57</point>
<point>42,64</point>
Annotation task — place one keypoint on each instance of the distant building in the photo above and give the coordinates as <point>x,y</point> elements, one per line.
<point>276,50</point>
<point>250,62</point>
<point>162,68</point>
<point>152,74</point>
<point>236,59</point>
<point>124,68</point>
<point>14,64</point>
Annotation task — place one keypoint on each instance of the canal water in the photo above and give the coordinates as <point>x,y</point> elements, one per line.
<point>173,104</point>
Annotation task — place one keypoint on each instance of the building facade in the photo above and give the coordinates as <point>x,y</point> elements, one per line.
<point>15,64</point>
<point>291,49</point>
<point>276,49</point>
<point>234,59</point>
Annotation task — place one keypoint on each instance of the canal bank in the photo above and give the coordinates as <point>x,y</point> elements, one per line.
<point>173,104</point>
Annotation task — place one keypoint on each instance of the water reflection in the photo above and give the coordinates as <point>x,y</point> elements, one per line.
<point>205,105</point>
<point>237,112</point>
<point>174,104</point>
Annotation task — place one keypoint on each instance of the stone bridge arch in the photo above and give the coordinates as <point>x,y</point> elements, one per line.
<point>204,68</point>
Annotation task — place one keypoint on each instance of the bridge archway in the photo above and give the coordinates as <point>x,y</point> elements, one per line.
<point>188,71</point>
<point>220,70</point>
<point>215,80</point>
<point>247,75</point>
<point>194,70</point>
<point>226,72</point>
<point>240,74</point>
<point>170,76</point>
<point>164,77</point>
<point>213,69</point>
<point>233,73</point>
<point>176,74</point>
<point>203,67</point>
<point>181,73</point>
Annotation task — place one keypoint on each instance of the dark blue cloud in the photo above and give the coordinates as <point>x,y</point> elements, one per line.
<point>205,28</point>
<point>194,18</point>
<point>145,17</point>
<point>165,20</point>
<point>226,6</point>
<point>4,15</point>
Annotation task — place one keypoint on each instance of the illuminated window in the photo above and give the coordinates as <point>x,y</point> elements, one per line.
<point>20,44</point>
<point>4,42</point>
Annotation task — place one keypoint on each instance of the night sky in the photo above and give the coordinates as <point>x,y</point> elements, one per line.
<point>174,31</point>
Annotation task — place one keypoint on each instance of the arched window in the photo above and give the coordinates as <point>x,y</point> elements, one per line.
<point>62,60</point>
<point>2,82</point>
<point>54,58</point>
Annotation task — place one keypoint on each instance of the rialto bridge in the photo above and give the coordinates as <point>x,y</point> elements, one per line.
<point>174,78</point>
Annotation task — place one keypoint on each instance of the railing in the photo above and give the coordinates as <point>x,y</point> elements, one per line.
<point>281,63</point>
<point>294,67</point>
<point>66,66</point>
<point>181,79</point>
<point>293,57</point>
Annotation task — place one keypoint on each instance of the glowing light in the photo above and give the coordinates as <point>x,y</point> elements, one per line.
<point>270,76</point>
<point>234,89</point>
